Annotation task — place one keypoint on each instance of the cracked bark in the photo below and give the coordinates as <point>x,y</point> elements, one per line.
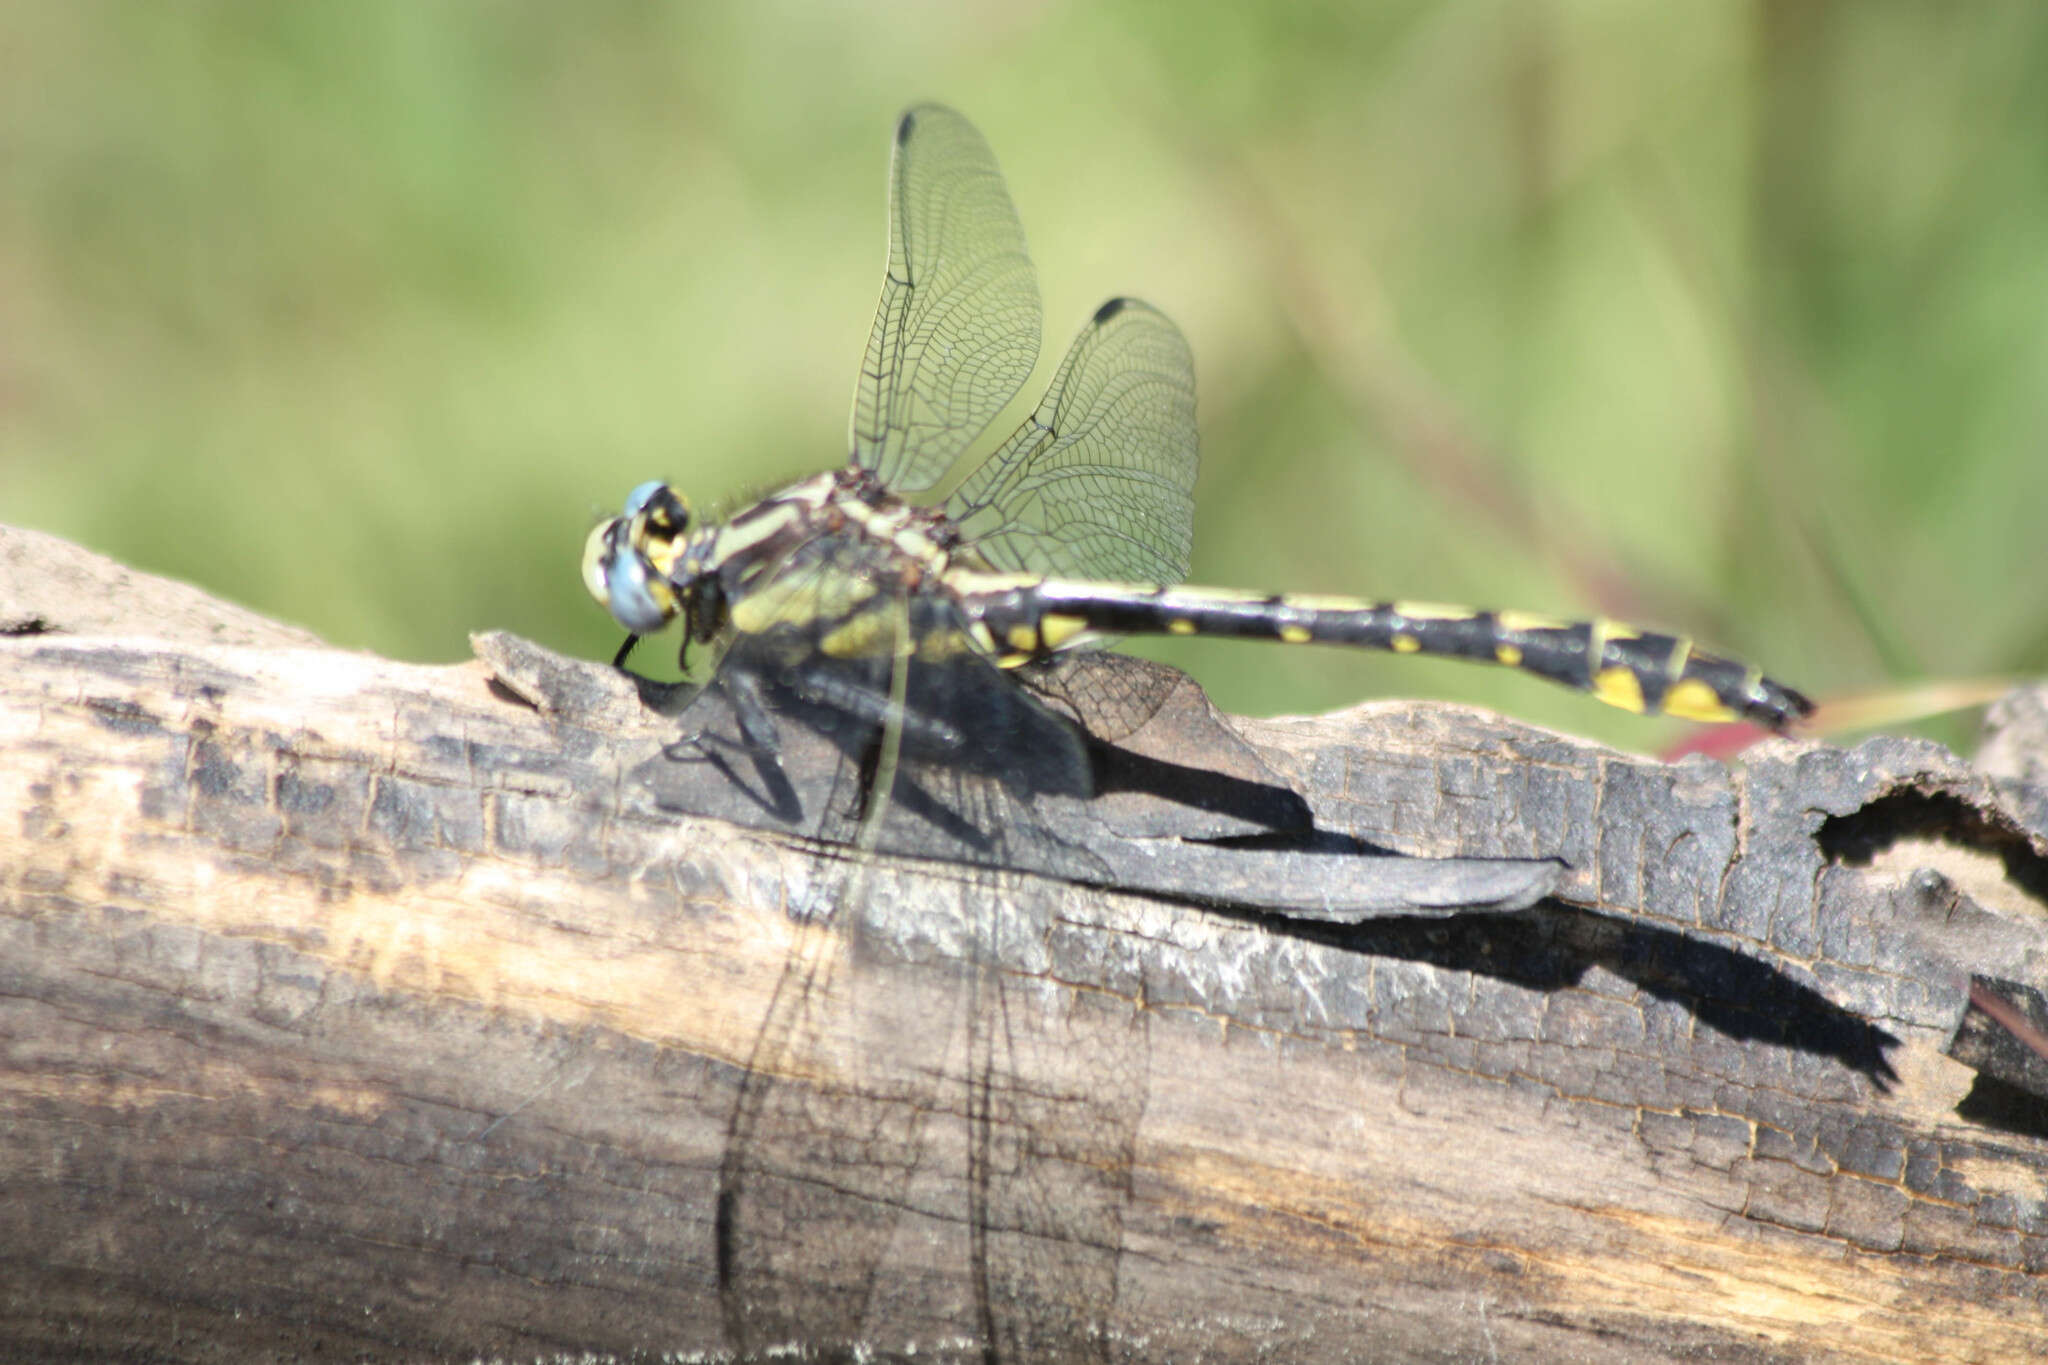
<point>360,1008</point>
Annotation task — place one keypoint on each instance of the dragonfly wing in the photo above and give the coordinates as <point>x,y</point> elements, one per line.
<point>822,1144</point>
<point>830,1143</point>
<point>1099,481</point>
<point>1059,1085</point>
<point>956,333</point>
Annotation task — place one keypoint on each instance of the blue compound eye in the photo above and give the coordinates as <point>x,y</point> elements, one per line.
<point>658,513</point>
<point>623,582</point>
<point>638,601</point>
<point>637,500</point>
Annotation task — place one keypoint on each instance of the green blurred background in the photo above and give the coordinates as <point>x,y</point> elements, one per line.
<point>1731,317</point>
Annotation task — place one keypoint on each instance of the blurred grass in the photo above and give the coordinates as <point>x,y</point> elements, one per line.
<point>1732,317</point>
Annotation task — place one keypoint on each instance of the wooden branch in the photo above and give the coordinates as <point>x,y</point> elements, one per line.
<point>359,1008</point>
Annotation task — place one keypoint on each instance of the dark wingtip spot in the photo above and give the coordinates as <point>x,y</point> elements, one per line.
<point>1111,309</point>
<point>904,126</point>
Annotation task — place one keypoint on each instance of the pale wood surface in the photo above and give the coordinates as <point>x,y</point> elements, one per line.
<point>359,1009</point>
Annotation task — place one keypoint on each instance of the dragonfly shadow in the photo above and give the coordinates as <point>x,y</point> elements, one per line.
<point>987,774</point>
<point>1263,808</point>
<point>1550,947</point>
<point>1555,945</point>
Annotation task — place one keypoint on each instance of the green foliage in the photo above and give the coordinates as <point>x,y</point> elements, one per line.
<point>1724,316</point>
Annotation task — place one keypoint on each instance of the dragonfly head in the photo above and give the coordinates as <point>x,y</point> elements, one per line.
<point>628,560</point>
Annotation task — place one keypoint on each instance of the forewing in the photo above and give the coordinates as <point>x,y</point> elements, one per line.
<point>830,1142</point>
<point>1099,481</point>
<point>828,1132</point>
<point>825,1138</point>
<point>956,333</point>
<point>1059,1088</point>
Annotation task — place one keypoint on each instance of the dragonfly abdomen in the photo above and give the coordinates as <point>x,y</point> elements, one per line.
<point>1636,670</point>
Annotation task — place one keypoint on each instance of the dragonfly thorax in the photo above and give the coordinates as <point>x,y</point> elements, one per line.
<point>803,554</point>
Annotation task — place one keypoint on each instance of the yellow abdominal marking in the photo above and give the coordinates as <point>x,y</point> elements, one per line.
<point>1201,596</point>
<point>1022,638</point>
<point>972,582</point>
<point>1406,644</point>
<point>1529,620</point>
<point>1619,687</point>
<point>1511,655</point>
<point>1691,699</point>
<point>1057,630</point>
<point>1180,625</point>
<point>1296,635</point>
<point>1433,611</point>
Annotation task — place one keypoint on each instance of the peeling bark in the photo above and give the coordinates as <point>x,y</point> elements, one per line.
<point>353,1008</point>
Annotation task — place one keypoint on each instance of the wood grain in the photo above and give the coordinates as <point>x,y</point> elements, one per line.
<point>359,1009</point>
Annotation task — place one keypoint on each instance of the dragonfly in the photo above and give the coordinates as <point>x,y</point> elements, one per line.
<point>1077,528</point>
<point>919,622</point>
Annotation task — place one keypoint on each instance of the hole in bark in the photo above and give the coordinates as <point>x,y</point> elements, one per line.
<point>1860,838</point>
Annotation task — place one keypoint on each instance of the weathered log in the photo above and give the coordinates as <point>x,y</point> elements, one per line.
<point>357,1008</point>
